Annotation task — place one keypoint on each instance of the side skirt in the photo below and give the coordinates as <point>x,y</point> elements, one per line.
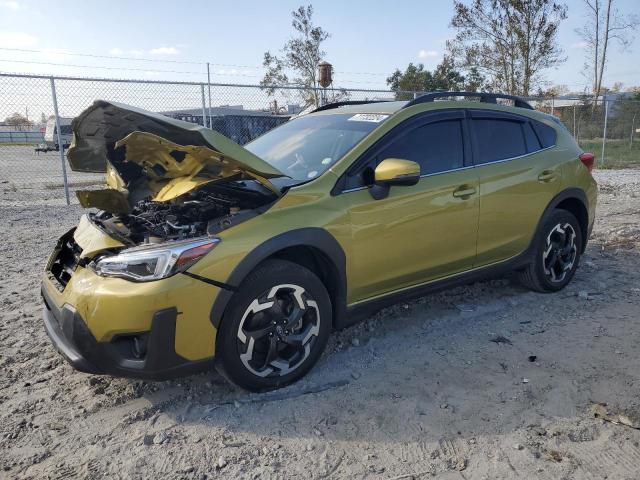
<point>361,310</point>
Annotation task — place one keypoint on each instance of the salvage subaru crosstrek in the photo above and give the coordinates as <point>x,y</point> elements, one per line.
<point>200,252</point>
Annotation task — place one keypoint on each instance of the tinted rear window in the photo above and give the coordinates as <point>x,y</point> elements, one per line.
<point>546,134</point>
<point>533,145</point>
<point>498,139</point>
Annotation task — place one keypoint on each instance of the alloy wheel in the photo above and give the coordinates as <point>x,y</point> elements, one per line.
<point>278,330</point>
<point>560,253</point>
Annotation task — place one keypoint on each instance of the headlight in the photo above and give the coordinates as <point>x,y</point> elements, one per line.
<point>147,263</point>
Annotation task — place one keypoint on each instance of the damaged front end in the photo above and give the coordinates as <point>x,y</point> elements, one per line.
<point>166,180</point>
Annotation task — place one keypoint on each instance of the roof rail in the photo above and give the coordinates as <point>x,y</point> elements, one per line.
<point>483,96</point>
<point>330,106</point>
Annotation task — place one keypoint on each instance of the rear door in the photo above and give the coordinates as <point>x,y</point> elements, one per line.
<point>519,174</point>
<point>421,232</point>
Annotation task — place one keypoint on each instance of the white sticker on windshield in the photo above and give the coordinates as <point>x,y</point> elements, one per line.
<point>312,174</point>
<point>368,117</point>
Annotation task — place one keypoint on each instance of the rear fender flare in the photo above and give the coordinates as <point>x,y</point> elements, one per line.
<point>569,193</point>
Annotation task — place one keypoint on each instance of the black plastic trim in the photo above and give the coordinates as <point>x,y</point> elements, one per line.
<point>483,96</point>
<point>308,237</point>
<point>568,194</point>
<point>360,311</point>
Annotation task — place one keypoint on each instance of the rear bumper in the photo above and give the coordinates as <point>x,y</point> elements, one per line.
<point>72,338</point>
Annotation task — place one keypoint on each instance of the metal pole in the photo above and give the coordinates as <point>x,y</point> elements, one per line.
<point>633,126</point>
<point>60,144</point>
<point>604,133</point>
<point>574,120</point>
<point>204,107</point>
<point>552,105</point>
<point>209,86</point>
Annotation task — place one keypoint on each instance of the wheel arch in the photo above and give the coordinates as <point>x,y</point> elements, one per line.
<point>313,248</point>
<point>573,200</point>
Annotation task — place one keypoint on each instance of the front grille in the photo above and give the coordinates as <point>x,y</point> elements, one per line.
<point>65,259</point>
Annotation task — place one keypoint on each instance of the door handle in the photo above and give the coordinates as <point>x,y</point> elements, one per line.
<point>464,191</point>
<point>547,176</point>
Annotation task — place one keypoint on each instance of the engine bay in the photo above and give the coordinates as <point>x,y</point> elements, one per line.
<point>205,211</point>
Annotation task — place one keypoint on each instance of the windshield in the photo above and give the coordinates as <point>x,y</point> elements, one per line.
<point>307,146</point>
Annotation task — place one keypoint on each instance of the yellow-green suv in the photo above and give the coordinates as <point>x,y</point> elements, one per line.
<point>201,252</point>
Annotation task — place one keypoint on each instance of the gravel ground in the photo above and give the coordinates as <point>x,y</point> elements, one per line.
<point>483,381</point>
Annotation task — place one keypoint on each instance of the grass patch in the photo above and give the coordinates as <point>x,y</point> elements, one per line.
<point>19,144</point>
<point>617,153</point>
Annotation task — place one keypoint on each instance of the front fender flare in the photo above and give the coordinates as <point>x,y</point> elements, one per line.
<point>318,238</point>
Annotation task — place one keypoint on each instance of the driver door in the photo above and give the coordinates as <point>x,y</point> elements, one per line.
<point>417,233</point>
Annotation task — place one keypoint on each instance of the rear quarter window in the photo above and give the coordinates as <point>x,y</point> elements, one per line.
<point>546,134</point>
<point>533,144</point>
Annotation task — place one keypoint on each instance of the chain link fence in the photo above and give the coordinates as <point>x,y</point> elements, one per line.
<point>36,111</point>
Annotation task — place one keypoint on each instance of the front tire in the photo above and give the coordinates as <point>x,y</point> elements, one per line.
<point>556,254</point>
<point>275,328</point>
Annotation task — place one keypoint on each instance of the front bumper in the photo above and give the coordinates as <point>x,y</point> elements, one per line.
<point>71,337</point>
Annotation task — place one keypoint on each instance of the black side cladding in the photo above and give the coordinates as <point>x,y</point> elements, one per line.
<point>318,238</point>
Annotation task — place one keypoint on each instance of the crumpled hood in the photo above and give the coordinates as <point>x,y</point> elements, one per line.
<point>145,154</point>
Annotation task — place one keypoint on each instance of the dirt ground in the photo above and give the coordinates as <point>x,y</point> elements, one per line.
<point>486,381</point>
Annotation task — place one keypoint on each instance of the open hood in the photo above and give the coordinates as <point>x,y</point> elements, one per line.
<point>148,155</point>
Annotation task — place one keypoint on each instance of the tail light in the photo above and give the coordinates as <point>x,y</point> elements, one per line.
<point>588,159</point>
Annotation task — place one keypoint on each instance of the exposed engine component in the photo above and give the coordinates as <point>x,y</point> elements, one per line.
<point>205,211</point>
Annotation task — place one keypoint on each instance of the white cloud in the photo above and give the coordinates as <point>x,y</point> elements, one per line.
<point>11,5</point>
<point>582,44</point>
<point>17,40</point>
<point>164,51</point>
<point>115,51</point>
<point>136,52</point>
<point>223,71</point>
<point>427,54</point>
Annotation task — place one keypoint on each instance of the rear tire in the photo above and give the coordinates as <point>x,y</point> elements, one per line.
<point>556,253</point>
<point>275,327</point>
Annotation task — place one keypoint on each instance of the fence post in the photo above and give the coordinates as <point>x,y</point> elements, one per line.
<point>60,143</point>
<point>574,120</point>
<point>604,133</point>
<point>553,104</point>
<point>209,87</point>
<point>204,107</point>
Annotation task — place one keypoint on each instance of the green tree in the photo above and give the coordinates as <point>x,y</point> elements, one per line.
<point>416,78</point>
<point>511,42</point>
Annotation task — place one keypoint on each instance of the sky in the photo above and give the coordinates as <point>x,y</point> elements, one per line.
<point>171,40</point>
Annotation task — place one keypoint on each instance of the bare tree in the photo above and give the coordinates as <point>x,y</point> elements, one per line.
<point>605,24</point>
<point>300,56</point>
<point>511,42</point>
<point>18,120</point>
